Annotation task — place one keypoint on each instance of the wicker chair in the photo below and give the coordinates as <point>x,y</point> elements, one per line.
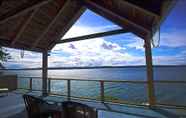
<point>78,110</point>
<point>36,108</point>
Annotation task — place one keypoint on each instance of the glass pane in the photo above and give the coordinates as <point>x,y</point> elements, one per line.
<point>126,92</point>
<point>59,87</point>
<point>37,84</point>
<point>23,83</point>
<point>171,93</point>
<point>85,89</point>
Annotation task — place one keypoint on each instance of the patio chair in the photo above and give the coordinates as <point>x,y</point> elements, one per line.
<point>78,110</point>
<point>36,108</point>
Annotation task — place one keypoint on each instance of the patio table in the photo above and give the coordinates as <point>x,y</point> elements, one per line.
<point>49,107</point>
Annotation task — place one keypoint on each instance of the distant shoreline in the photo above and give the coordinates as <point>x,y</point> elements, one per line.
<point>95,67</point>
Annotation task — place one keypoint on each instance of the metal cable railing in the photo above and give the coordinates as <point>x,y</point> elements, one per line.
<point>102,91</point>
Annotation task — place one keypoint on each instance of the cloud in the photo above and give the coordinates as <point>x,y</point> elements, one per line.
<point>92,52</point>
<point>173,38</point>
<point>72,46</point>
<point>30,59</point>
<point>183,52</point>
<point>176,38</point>
<point>111,46</point>
<point>137,43</point>
<point>169,60</point>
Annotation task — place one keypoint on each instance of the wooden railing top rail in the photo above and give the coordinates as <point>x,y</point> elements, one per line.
<point>117,81</point>
<point>122,81</point>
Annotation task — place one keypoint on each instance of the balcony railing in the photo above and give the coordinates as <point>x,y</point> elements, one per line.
<point>100,90</point>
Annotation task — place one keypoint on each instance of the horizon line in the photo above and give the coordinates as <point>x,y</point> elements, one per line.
<point>92,67</point>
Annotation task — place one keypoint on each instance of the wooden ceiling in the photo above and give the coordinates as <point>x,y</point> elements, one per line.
<point>38,25</point>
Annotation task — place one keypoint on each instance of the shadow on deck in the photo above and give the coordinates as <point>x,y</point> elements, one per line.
<point>12,106</point>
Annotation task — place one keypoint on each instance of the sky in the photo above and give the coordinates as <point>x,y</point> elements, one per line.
<point>118,50</point>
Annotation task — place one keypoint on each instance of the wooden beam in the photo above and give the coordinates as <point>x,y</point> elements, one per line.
<point>22,9</point>
<point>24,27</point>
<point>149,66</point>
<point>44,73</point>
<point>50,25</point>
<point>91,36</point>
<point>90,4</point>
<point>141,9</point>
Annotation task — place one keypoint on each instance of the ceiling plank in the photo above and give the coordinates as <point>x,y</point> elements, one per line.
<point>91,36</point>
<point>50,25</point>
<point>141,9</point>
<point>19,45</point>
<point>24,26</point>
<point>23,9</point>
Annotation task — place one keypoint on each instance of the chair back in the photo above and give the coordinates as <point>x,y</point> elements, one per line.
<point>32,105</point>
<point>78,110</point>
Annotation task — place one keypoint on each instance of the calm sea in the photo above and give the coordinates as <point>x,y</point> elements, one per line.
<point>172,93</point>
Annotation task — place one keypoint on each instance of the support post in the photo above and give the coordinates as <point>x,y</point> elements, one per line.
<point>102,94</point>
<point>68,90</point>
<point>44,73</point>
<point>149,69</point>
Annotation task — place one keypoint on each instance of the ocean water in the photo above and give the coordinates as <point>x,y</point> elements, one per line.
<point>166,93</point>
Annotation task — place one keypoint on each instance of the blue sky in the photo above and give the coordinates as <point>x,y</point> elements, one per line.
<point>119,50</point>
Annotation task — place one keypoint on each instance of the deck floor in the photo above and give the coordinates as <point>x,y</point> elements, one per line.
<point>12,106</point>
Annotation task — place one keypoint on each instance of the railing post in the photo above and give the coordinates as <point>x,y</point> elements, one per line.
<point>44,72</point>
<point>102,93</point>
<point>30,84</point>
<point>49,85</point>
<point>68,90</point>
<point>150,81</point>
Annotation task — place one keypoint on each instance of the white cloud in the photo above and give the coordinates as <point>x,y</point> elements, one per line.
<point>30,59</point>
<point>137,43</point>
<point>173,39</point>
<point>92,52</point>
<point>97,52</point>
<point>169,39</point>
<point>169,60</point>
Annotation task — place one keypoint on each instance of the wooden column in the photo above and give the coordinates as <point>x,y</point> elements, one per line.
<point>44,73</point>
<point>149,66</point>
